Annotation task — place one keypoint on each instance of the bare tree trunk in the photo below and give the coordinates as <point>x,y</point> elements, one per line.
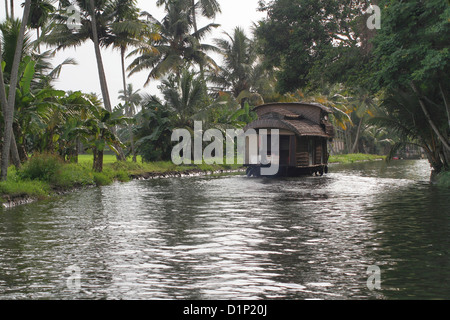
<point>358,132</point>
<point>447,107</point>
<point>430,121</point>
<point>6,9</point>
<point>98,160</point>
<point>347,140</point>
<point>9,110</point>
<point>12,9</point>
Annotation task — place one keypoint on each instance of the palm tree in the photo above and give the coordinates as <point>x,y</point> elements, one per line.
<point>100,133</point>
<point>177,48</point>
<point>363,105</point>
<point>126,30</point>
<point>96,19</point>
<point>184,96</point>
<point>93,27</point>
<point>153,130</point>
<point>44,73</point>
<point>41,11</point>
<point>132,99</point>
<point>209,9</point>
<point>10,31</point>
<point>240,57</point>
<point>8,109</point>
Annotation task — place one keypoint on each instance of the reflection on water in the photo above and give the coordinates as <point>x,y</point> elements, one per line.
<point>236,238</point>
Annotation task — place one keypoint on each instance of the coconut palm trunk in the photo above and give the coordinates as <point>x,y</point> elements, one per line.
<point>12,9</point>
<point>6,9</point>
<point>358,133</point>
<point>98,57</point>
<point>9,108</point>
<point>4,102</point>
<point>101,72</point>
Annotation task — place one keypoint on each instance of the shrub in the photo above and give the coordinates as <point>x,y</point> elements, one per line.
<point>40,167</point>
<point>35,189</point>
<point>72,175</point>
<point>443,179</point>
<point>102,179</point>
<point>122,176</point>
<point>125,166</point>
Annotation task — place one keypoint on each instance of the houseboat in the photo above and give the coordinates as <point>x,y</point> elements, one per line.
<point>304,133</point>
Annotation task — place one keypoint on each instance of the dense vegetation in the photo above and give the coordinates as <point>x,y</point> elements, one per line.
<point>388,88</point>
<point>392,82</point>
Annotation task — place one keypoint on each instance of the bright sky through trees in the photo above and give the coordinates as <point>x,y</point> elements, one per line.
<point>84,76</point>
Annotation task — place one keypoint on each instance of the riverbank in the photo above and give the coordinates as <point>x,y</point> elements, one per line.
<point>45,176</point>
<point>351,158</point>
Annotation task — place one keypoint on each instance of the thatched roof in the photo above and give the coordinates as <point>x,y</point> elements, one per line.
<point>284,104</point>
<point>299,127</point>
<point>297,120</point>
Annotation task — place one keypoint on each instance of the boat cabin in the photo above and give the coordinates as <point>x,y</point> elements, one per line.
<point>304,132</point>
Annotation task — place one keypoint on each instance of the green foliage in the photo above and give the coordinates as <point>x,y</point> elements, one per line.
<point>411,62</point>
<point>239,72</point>
<point>72,175</point>
<point>351,158</point>
<point>412,44</point>
<point>122,176</point>
<point>311,40</point>
<point>177,47</point>
<point>34,189</point>
<point>41,167</point>
<point>443,179</point>
<point>153,131</point>
<point>102,179</point>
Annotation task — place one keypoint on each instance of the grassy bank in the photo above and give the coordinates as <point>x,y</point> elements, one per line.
<point>357,157</point>
<point>45,175</point>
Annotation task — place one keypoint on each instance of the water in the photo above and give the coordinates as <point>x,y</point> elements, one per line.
<point>235,237</point>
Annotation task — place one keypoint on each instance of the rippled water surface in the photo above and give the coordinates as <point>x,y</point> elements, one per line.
<point>234,237</point>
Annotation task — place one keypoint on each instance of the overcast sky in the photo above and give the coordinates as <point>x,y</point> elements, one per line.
<point>84,76</point>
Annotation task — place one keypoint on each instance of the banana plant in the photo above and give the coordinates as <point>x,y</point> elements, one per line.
<point>100,134</point>
<point>153,131</point>
<point>36,110</point>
